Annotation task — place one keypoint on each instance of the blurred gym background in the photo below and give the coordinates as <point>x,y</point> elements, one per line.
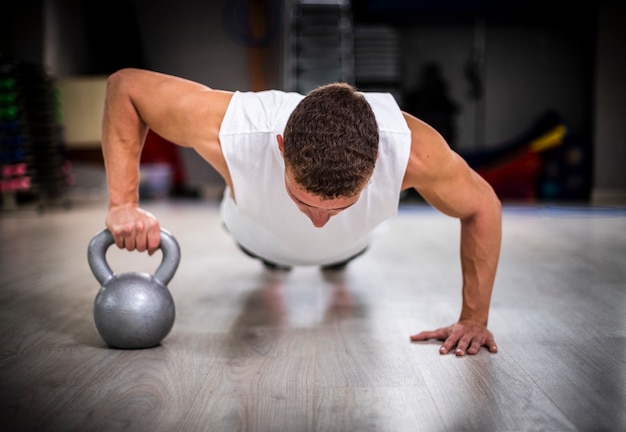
<point>531,93</point>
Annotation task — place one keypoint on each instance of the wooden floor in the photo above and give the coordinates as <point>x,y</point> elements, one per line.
<point>256,351</point>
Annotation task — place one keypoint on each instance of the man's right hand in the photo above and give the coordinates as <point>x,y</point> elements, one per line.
<point>134,228</point>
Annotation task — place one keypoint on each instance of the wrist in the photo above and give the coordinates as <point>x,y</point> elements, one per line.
<point>129,198</point>
<point>480,318</point>
<point>122,206</point>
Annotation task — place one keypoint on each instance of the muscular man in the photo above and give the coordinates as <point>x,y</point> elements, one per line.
<point>308,178</point>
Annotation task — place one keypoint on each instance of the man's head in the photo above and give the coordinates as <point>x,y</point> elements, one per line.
<point>330,143</point>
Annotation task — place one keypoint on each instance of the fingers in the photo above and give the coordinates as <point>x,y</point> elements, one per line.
<point>450,336</point>
<point>491,345</point>
<point>125,236</point>
<point>451,341</point>
<point>470,344</point>
<point>118,237</point>
<point>440,334</point>
<point>467,345</point>
<point>130,241</point>
<point>140,235</point>
<point>153,238</point>
<point>474,347</point>
<point>445,334</point>
<point>460,339</point>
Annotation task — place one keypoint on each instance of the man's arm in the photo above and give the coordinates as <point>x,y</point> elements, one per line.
<point>181,111</point>
<point>446,182</point>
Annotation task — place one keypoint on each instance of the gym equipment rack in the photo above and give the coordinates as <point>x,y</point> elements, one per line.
<point>34,168</point>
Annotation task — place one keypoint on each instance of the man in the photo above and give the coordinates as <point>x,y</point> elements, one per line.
<point>308,178</point>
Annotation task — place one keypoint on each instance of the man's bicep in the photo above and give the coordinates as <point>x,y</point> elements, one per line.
<point>195,118</point>
<point>439,174</point>
<point>454,189</point>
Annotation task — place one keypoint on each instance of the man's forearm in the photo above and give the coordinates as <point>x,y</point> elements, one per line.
<point>123,132</point>
<point>481,237</point>
<point>122,172</point>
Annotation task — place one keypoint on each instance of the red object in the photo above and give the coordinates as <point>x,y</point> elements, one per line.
<point>157,149</point>
<point>515,177</point>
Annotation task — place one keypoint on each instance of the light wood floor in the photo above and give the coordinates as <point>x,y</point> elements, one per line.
<point>255,351</point>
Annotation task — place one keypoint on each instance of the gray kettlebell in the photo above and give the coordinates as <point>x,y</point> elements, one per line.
<point>133,310</point>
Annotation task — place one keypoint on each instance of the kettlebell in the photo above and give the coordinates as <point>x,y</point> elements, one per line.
<point>133,310</point>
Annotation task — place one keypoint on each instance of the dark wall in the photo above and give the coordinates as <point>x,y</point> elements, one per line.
<point>113,37</point>
<point>502,63</point>
<point>21,31</point>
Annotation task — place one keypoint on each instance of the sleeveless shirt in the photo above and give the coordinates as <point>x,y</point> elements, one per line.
<point>265,220</point>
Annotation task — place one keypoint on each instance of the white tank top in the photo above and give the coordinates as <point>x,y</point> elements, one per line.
<point>265,220</point>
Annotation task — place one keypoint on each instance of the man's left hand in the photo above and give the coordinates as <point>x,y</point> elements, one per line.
<point>464,337</point>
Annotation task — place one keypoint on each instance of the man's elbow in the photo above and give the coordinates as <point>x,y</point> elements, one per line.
<point>487,207</point>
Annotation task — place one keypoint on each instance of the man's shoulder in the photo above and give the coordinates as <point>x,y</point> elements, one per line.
<point>387,111</point>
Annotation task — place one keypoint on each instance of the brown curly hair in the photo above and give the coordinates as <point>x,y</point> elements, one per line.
<point>330,143</point>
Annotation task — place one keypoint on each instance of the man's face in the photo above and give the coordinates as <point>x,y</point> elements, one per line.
<point>317,209</point>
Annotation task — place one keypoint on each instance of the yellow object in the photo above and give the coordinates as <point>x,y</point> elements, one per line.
<point>552,138</point>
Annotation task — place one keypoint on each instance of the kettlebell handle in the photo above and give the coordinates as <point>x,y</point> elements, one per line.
<point>98,246</point>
